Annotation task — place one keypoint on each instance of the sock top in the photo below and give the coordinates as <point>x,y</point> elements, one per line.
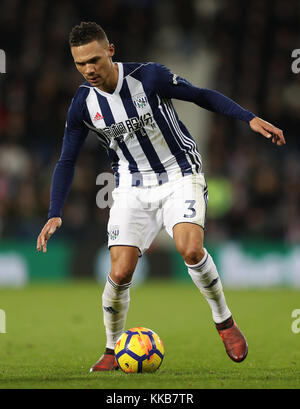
<point>201,262</point>
<point>119,287</point>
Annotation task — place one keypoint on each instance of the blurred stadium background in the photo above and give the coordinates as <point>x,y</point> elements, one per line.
<point>242,49</point>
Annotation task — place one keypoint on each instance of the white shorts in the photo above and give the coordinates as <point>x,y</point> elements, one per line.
<point>139,213</point>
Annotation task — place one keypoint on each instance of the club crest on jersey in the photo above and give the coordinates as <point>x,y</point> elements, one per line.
<point>140,100</point>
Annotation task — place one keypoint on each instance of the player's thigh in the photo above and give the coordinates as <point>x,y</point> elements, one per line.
<point>184,216</point>
<point>188,238</point>
<point>123,262</point>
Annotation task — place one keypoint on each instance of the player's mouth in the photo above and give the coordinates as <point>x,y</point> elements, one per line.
<point>93,80</point>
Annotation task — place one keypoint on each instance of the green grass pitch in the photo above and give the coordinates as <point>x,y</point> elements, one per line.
<point>54,333</point>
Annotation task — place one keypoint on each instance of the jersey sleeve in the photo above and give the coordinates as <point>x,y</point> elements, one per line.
<point>74,137</point>
<point>169,85</point>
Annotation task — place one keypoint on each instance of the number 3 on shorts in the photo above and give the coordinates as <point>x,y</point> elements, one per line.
<point>191,208</point>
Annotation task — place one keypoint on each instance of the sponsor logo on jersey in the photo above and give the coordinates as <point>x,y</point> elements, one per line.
<point>130,126</point>
<point>140,100</point>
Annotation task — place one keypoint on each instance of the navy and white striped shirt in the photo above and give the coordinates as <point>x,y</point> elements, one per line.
<point>138,126</point>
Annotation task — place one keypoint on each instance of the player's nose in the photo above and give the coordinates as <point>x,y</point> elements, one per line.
<point>90,69</point>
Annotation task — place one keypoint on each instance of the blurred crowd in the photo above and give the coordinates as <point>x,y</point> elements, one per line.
<point>253,41</point>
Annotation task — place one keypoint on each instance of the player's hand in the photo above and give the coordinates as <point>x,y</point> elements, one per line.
<point>50,227</point>
<point>268,130</point>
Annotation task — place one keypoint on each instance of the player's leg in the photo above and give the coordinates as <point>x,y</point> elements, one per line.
<point>116,297</point>
<point>131,230</point>
<point>115,301</point>
<point>184,218</point>
<point>188,239</point>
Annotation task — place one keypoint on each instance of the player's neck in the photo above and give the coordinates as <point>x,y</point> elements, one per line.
<point>112,80</point>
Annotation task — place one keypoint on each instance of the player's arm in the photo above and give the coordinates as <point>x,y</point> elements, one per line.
<point>170,86</point>
<point>74,137</point>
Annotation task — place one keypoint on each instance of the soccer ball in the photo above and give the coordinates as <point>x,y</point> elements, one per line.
<point>139,350</point>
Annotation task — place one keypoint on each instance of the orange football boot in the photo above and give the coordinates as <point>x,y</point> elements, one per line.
<point>107,362</point>
<point>234,341</point>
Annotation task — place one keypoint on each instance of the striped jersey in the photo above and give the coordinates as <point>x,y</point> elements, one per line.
<point>138,127</point>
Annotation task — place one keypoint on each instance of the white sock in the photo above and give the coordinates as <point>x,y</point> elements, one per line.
<point>206,277</point>
<point>115,305</point>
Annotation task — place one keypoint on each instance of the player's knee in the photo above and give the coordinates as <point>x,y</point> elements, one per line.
<point>192,255</point>
<point>122,275</point>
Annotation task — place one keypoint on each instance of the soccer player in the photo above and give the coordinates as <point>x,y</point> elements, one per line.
<point>158,173</point>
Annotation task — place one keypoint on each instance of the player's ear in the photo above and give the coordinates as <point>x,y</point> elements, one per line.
<point>111,50</point>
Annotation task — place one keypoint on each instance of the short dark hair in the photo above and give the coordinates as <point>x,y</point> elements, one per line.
<point>86,32</point>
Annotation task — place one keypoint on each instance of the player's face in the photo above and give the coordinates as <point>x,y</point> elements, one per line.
<point>94,62</point>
